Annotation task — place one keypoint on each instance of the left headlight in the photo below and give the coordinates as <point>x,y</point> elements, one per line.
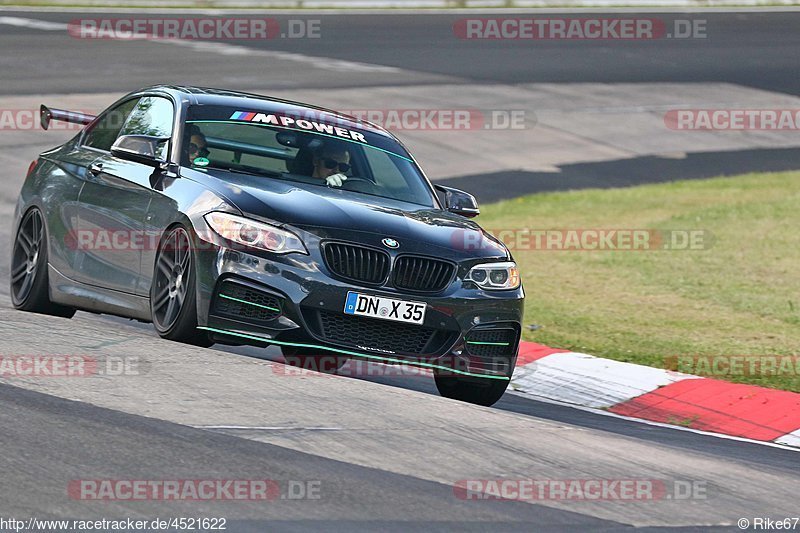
<point>255,234</point>
<point>495,276</point>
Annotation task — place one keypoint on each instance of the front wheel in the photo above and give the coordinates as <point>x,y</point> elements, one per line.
<point>480,391</point>
<point>173,306</point>
<point>30,289</point>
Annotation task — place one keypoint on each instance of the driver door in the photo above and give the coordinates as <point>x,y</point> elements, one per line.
<point>114,201</point>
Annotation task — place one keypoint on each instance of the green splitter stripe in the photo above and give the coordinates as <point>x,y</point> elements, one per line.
<point>346,352</point>
<point>489,343</point>
<point>249,303</point>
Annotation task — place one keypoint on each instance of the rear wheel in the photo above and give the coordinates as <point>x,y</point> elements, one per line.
<point>480,391</point>
<point>30,289</point>
<point>173,304</point>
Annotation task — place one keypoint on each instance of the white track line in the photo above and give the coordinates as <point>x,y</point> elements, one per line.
<point>33,23</point>
<point>268,428</point>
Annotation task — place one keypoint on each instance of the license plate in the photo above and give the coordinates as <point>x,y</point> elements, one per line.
<point>386,308</point>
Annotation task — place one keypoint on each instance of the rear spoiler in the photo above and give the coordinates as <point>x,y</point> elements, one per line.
<point>46,114</point>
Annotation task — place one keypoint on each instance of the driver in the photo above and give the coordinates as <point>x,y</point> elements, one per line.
<point>195,145</point>
<point>331,162</point>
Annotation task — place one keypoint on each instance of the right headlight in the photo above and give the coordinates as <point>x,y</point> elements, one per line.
<point>254,234</point>
<point>495,276</point>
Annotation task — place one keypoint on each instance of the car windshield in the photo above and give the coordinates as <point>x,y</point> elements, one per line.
<point>304,146</point>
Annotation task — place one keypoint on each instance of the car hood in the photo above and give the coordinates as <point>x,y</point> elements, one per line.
<point>334,213</point>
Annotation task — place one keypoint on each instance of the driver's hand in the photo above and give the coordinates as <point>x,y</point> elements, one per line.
<point>335,180</point>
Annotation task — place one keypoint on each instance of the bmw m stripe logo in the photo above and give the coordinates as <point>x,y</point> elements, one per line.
<point>390,243</point>
<point>242,115</point>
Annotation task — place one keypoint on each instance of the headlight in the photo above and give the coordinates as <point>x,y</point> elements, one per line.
<point>255,234</point>
<point>495,276</point>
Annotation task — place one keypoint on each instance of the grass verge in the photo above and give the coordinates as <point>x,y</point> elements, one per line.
<point>738,297</point>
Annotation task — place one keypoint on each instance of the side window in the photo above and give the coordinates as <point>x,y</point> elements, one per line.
<point>105,131</point>
<point>151,116</point>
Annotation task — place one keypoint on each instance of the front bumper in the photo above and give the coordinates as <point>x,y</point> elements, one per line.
<point>247,299</point>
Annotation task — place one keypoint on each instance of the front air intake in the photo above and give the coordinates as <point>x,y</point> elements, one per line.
<point>242,302</point>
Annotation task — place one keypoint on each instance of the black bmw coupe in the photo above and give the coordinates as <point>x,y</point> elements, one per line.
<point>225,217</point>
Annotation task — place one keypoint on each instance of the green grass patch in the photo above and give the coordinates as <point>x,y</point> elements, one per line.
<point>737,296</point>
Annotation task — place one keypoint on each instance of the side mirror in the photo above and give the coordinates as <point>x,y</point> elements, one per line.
<point>139,149</point>
<point>459,202</point>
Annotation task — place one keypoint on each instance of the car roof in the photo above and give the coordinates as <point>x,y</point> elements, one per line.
<point>269,104</point>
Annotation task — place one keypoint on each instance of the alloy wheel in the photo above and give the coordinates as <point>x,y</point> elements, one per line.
<point>171,281</point>
<point>25,258</point>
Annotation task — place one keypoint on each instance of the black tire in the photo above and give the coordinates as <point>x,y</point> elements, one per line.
<point>311,359</point>
<point>173,295</point>
<point>28,282</point>
<point>480,391</point>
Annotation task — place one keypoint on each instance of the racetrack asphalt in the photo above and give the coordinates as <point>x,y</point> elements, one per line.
<point>386,449</point>
<point>750,48</point>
